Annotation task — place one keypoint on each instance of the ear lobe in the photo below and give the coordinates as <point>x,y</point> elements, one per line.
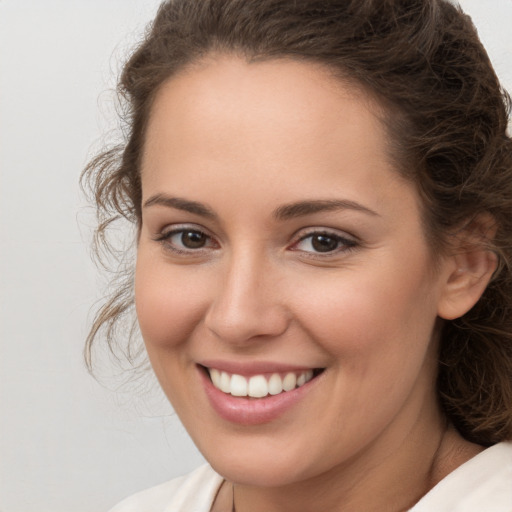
<point>469,269</point>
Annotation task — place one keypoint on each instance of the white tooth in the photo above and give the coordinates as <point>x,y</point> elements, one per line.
<point>301,380</point>
<point>215,376</point>
<point>275,384</point>
<point>225,382</point>
<point>258,386</point>
<point>309,375</point>
<point>289,382</point>
<point>238,385</point>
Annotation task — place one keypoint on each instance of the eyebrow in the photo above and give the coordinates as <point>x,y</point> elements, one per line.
<point>181,204</point>
<point>285,212</point>
<point>302,208</point>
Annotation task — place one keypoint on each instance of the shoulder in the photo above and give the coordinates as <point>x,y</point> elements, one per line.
<point>482,483</point>
<point>193,492</point>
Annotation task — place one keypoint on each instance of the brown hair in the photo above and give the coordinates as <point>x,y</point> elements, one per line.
<point>447,124</point>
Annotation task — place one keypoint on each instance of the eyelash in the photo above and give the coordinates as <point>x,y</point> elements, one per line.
<point>165,239</point>
<point>343,244</point>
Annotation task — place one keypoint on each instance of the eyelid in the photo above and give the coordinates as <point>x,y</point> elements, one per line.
<point>177,228</point>
<point>312,230</point>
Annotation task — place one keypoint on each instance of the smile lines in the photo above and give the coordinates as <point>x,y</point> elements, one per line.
<point>258,386</point>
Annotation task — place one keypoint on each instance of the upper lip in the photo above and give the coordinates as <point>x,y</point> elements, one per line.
<point>248,368</point>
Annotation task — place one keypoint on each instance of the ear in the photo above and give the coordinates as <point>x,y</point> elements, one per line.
<point>468,268</point>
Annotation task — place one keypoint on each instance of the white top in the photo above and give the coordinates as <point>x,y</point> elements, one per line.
<point>483,484</point>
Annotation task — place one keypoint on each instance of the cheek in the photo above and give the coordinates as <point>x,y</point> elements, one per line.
<point>368,319</point>
<point>168,304</point>
<point>378,335</point>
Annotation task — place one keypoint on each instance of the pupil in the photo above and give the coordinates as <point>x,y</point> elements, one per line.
<point>324,243</point>
<point>193,239</point>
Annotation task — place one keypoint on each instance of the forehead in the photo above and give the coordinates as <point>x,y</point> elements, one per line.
<point>266,98</point>
<point>289,123</point>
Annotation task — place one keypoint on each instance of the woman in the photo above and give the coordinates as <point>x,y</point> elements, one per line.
<point>322,193</point>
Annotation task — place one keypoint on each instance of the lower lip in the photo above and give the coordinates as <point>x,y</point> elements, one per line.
<point>252,411</point>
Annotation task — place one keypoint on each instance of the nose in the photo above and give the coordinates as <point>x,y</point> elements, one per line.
<point>247,304</point>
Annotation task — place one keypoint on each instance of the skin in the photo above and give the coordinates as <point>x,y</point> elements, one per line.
<point>245,140</point>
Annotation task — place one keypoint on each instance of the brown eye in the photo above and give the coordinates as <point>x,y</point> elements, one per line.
<point>324,243</point>
<point>186,241</point>
<point>193,239</point>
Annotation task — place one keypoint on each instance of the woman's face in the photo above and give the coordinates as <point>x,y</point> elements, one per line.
<point>279,248</point>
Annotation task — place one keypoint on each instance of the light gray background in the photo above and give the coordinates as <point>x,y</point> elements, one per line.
<point>68,444</point>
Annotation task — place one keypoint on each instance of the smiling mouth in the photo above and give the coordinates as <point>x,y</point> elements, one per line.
<point>260,386</point>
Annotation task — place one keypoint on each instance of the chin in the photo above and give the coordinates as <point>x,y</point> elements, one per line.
<point>267,473</point>
<point>260,463</point>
